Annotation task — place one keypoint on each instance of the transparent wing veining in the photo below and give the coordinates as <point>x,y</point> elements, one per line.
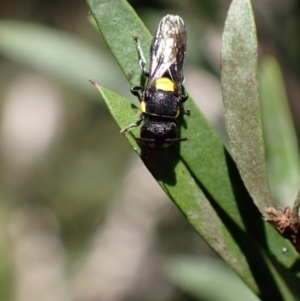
<point>167,52</point>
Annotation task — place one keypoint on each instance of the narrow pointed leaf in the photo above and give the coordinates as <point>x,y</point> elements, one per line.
<point>118,24</point>
<point>207,220</point>
<point>241,100</point>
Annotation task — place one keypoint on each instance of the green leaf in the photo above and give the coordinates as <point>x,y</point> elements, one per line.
<point>208,220</point>
<point>198,175</point>
<point>280,136</point>
<point>241,101</point>
<point>204,153</point>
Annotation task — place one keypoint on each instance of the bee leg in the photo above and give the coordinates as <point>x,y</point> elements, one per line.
<point>141,55</point>
<point>137,91</point>
<point>184,97</point>
<point>131,126</point>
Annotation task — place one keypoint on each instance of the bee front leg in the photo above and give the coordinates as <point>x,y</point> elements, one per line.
<point>137,91</point>
<point>184,98</point>
<point>141,55</point>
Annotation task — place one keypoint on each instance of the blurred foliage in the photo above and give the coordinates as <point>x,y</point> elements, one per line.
<point>86,160</point>
<point>282,147</point>
<point>201,276</point>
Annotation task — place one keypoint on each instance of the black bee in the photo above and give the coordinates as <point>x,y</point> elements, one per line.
<point>163,95</point>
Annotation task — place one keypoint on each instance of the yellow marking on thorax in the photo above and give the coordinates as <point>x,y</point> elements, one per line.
<point>143,106</point>
<point>164,84</point>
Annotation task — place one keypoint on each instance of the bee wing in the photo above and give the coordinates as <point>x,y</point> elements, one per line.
<point>168,52</point>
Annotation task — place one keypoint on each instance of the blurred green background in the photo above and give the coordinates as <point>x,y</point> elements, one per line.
<point>80,217</point>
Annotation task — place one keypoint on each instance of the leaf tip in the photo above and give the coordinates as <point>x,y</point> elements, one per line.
<point>94,83</point>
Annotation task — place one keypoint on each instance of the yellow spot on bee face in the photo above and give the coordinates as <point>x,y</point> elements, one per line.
<point>165,84</point>
<point>143,106</point>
